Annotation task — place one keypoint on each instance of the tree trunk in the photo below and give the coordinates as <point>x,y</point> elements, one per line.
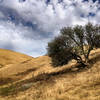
<point>77,58</point>
<point>88,53</point>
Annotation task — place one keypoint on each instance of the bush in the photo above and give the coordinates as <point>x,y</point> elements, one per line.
<point>59,51</point>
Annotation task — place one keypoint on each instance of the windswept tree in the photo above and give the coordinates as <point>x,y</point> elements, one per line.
<point>73,43</point>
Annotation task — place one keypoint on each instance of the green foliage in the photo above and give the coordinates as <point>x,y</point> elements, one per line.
<point>97,41</point>
<point>59,51</point>
<point>74,42</point>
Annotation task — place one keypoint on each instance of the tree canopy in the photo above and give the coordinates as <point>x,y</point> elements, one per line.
<point>73,42</point>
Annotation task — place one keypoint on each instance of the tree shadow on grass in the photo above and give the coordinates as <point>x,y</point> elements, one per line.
<point>4,81</point>
<point>26,72</point>
<point>77,68</point>
<point>72,70</point>
<point>45,78</point>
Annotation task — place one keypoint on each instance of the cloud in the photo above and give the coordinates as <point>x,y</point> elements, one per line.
<point>12,37</point>
<point>27,25</point>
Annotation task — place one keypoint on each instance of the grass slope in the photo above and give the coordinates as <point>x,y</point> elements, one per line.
<point>11,57</point>
<point>36,79</point>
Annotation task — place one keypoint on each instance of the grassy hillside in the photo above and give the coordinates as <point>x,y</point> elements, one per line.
<point>10,57</point>
<point>36,79</point>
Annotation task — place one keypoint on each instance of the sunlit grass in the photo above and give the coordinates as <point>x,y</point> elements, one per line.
<point>38,80</point>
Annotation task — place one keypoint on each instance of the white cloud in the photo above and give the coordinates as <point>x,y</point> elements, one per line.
<point>12,37</point>
<point>47,19</point>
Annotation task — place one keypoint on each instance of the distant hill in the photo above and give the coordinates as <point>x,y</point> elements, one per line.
<point>11,57</point>
<point>26,78</point>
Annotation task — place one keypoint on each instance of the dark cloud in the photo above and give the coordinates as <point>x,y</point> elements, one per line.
<point>92,0</point>
<point>48,1</point>
<point>27,25</point>
<point>13,16</point>
<point>22,0</point>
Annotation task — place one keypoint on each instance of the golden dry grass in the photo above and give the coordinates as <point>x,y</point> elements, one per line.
<point>11,57</point>
<point>36,79</point>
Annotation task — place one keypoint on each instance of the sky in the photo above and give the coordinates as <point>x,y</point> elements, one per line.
<point>27,26</point>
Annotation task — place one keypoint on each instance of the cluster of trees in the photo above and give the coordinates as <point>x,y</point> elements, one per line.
<point>73,42</point>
